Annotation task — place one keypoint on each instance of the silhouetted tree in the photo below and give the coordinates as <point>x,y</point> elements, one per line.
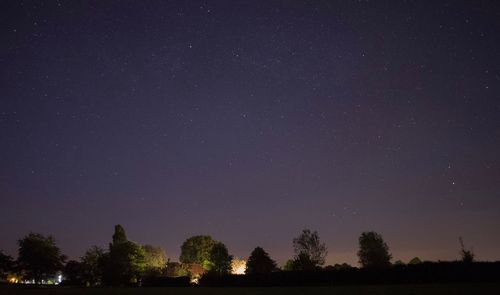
<point>156,260</point>
<point>415,260</point>
<point>373,251</point>
<point>73,273</point>
<point>92,266</point>
<point>304,262</point>
<point>126,260</point>
<point>309,251</point>
<point>329,267</point>
<point>337,266</point>
<point>6,265</point>
<point>466,254</point>
<point>39,257</point>
<point>119,236</point>
<point>289,265</point>
<point>259,262</point>
<point>197,250</point>
<point>399,262</point>
<point>221,260</point>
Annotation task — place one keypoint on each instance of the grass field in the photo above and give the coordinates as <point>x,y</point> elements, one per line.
<point>445,289</point>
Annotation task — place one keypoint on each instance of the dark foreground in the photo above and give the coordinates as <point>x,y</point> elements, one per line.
<point>448,289</point>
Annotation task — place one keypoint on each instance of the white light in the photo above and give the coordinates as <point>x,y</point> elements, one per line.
<point>238,266</point>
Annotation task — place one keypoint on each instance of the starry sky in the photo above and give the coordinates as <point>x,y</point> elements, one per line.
<point>250,121</point>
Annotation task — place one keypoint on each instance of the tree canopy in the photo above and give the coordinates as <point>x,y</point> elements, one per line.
<point>220,259</point>
<point>289,265</point>
<point>6,264</point>
<point>197,250</point>
<point>39,257</point>
<point>92,268</point>
<point>415,260</point>
<point>155,259</point>
<point>125,262</point>
<point>73,273</point>
<point>260,262</point>
<point>373,251</point>
<point>309,251</point>
<point>119,236</point>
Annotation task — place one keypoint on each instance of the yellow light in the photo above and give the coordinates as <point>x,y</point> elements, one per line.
<point>238,266</point>
<point>195,280</point>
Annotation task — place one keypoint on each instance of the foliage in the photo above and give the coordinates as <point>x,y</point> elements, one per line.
<point>443,273</point>
<point>119,235</point>
<point>329,267</point>
<point>303,262</point>
<point>126,260</point>
<point>337,267</point>
<point>220,259</point>
<point>260,262</point>
<point>73,273</point>
<point>342,266</point>
<point>197,250</point>
<point>309,251</point>
<point>39,257</point>
<point>88,271</point>
<point>466,254</point>
<point>289,265</point>
<point>155,259</point>
<point>6,264</point>
<point>415,260</point>
<point>92,267</point>
<point>300,262</point>
<point>373,251</point>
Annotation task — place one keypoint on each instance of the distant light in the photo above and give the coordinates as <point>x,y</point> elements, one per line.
<point>195,280</point>
<point>238,266</point>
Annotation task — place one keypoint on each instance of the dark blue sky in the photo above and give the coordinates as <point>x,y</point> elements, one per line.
<point>251,120</point>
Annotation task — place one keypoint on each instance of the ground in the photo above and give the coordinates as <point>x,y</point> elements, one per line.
<point>448,289</point>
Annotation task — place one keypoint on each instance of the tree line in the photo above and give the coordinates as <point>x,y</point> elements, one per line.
<point>125,262</point>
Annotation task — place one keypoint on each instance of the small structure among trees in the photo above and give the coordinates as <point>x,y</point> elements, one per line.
<point>176,269</point>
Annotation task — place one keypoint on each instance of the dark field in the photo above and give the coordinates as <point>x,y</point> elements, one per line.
<point>341,290</point>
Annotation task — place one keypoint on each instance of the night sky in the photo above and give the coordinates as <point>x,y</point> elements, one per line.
<point>250,121</point>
